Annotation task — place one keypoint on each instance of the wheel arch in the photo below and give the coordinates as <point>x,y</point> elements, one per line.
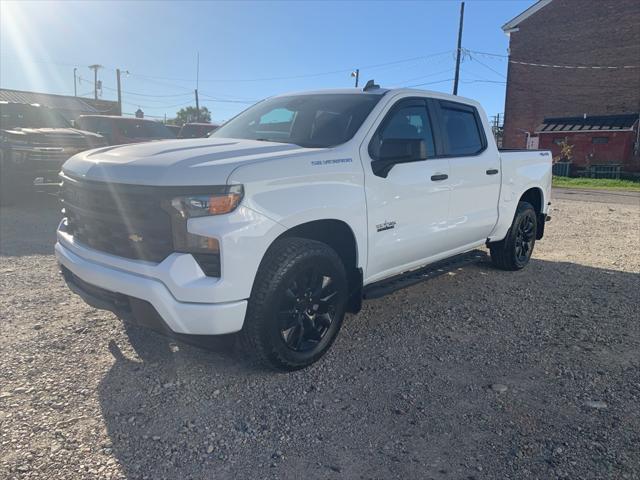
<point>338,235</point>
<point>535,197</point>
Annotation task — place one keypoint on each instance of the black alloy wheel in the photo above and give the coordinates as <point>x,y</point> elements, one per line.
<point>514,251</point>
<point>297,304</point>
<point>525,237</point>
<point>307,309</point>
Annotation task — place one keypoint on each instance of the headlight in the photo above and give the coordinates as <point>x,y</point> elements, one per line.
<point>225,200</point>
<point>217,201</point>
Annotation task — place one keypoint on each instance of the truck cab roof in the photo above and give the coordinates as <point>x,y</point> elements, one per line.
<point>379,91</point>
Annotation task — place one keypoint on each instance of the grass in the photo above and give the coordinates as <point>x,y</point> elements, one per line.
<point>596,183</point>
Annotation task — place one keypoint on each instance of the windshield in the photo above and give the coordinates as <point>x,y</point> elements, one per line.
<point>28,116</point>
<point>321,120</point>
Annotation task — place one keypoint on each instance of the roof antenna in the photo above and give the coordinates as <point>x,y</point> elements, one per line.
<point>371,85</point>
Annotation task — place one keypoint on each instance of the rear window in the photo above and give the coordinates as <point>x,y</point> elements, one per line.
<point>95,124</point>
<point>461,129</point>
<point>141,129</point>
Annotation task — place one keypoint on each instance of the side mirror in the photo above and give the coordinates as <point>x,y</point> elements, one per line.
<point>398,150</point>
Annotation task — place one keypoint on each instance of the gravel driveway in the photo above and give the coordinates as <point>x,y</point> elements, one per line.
<point>479,374</point>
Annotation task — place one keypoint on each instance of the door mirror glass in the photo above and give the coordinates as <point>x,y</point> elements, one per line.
<point>398,150</point>
<point>403,149</point>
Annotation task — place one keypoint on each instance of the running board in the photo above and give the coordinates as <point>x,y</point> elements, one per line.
<point>407,279</point>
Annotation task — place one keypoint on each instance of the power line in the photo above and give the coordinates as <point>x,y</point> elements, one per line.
<point>448,70</point>
<point>488,67</point>
<point>551,65</point>
<point>148,95</point>
<point>305,75</point>
<point>429,83</point>
<point>484,81</point>
<point>158,106</point>
<point>578,67</point>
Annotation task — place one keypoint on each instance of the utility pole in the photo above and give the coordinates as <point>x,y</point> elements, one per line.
<point>458,51</point>
<point>197,107</point>
<point>75,85</point>
<point>356,74</point>
<point>119,91</point>
<point>95,79</point>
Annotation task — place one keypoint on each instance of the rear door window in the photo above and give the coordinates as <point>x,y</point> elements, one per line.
<point>461,129</point>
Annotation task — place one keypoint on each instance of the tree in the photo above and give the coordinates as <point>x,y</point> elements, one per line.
<point>189,115</point>
<point>566,152</point>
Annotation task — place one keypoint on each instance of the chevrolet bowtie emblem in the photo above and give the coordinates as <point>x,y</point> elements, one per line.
<point>134,237</point>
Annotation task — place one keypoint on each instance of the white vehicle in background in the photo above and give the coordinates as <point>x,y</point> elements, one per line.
<point>293,212</point>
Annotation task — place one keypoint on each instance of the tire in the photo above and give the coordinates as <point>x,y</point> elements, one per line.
<point>514,252</point>
<point>297,304</point>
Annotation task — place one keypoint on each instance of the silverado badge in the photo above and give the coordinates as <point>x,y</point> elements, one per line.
<point>381,227</point>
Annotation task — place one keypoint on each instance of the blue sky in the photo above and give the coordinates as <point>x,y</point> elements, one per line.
<point>250,50</point>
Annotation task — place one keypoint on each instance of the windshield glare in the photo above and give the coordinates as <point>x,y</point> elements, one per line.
<point>313,121</point>
<point>28,116</point>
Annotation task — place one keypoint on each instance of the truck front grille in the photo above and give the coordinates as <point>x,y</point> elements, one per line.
<point>48,155</point>
<point>124,220</point>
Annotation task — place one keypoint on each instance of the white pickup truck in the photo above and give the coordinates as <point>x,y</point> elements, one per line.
<point>294,211</point>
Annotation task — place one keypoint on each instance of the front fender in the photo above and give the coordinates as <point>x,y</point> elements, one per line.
<point>307,193</point>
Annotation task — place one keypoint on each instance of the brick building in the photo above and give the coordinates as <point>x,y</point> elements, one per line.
<point>574,33</point>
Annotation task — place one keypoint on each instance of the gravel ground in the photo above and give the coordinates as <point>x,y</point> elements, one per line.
<point>479,374</point>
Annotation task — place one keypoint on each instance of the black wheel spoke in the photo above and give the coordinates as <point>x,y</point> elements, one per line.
<point>313,334</point>
<point>294,336</point>
<point>288,319</point>
<point>322,283</point>
<point>307,309</point>
<point>323,319</point>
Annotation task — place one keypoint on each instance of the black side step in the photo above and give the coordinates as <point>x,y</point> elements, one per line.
<point>390,285</point>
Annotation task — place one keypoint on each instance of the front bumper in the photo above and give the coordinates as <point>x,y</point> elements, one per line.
<point>120,291</point>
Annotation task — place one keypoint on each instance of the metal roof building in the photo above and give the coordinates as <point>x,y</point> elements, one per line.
<point>69,106</point>
<point>589,123</point>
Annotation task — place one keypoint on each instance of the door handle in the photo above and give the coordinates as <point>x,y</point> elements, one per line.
<point>492,171</point>
<point>438,177</point>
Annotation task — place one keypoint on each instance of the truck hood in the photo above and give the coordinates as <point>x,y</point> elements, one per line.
<point>54,137</point>
<point>202,161</point>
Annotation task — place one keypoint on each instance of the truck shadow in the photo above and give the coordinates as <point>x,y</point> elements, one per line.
<point>206,414</point>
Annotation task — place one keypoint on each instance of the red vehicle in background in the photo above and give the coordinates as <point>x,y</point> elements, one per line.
<point>175,129</point>
<point>121,130</point>
<point>197,130</point>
